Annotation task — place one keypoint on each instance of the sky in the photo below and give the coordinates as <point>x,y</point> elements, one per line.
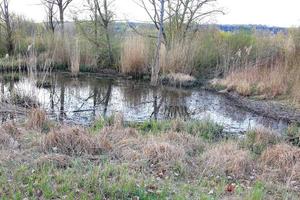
<point>266,12</point>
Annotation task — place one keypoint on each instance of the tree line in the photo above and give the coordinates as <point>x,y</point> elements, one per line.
<point>173,20</point>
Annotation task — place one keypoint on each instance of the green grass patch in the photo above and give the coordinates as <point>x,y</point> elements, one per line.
<point>205,129</point>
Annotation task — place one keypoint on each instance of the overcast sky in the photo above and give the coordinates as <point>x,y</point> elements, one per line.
<point>268,12</point>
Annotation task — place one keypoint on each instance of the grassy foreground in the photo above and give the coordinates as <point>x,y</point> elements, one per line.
<point>153,160</point>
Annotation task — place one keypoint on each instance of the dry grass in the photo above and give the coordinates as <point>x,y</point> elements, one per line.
<point>7,141</point>
<point>271,82</point>
<point>295,90</point>
<point>135,55</point>
<point>179,58</point>
<point>71,141</point>
<point>281,163</point>
<point>154,153</point>
<point>162,155</point>
<point>274,72</point>
<point>122,143</point>
<point>179,78</point>
<point>75,57</point>
<point>57,160</point>
<point>191,144</point>
<point>37,119</point>
<point>259,139</point>
<point>11,129</point>
<point>227,159</point>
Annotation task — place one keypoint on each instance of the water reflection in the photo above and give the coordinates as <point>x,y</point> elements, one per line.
<point>81,100</point>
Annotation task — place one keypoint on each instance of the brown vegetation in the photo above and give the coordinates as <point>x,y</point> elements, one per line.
<point>281,163</point>
<point>259,139</point>
<point>37,118</point>
<point>227,159</point>
<point>271,82</point>
<point>7,141</point>
<point>57,160</point>
<point>180,57</point>
<point>276,74</point>
<point>135,55</point>
<point>71,141</point>
<point>179,79</point>
<point>163,156</point>
<point>11,129</point>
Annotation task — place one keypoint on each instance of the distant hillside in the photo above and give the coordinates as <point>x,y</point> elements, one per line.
<point>223,27</point>
<point>232,28</point>
<point>123,26</point>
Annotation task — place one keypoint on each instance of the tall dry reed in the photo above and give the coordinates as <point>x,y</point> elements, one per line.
<point>135,55</point>
<point>179,57</point>
<point>75,58</point>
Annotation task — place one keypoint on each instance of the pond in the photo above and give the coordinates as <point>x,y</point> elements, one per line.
<point>82,100</point>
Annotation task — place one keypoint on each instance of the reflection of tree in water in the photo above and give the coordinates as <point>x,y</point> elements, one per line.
<point>172,103</point>
<point>134,94</point>
<point>99,92</point>
<point>101,95</point>
<point>62,113</point>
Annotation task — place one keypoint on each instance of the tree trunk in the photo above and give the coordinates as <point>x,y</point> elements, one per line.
<point>107,98</point>
<point>62,103</point>
<point>106,23</point>
<point>156,65</point>
<point>61,17</point>
<point>110,53</point>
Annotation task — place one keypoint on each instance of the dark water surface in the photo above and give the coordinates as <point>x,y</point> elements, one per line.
<point>82,100</point>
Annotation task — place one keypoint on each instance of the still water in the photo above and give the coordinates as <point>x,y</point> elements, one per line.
<point>82,100</point>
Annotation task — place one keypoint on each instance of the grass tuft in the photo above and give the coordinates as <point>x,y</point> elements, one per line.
<point>71,141</point>
<point>227,158</point>
<point>259,139</point>
<point>280,162</point>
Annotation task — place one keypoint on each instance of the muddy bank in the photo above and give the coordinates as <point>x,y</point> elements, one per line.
<point>268,108</point>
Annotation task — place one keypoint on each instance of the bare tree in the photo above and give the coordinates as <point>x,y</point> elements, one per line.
<point>62,6</point>
<point>102,18</point>
<point>180,15</point>
<point>7,25</point>
<point>51,12</point>
<point>105,20</point>
<point>156,64</point>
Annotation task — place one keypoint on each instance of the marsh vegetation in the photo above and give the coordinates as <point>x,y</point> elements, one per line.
<point>79,119</point>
